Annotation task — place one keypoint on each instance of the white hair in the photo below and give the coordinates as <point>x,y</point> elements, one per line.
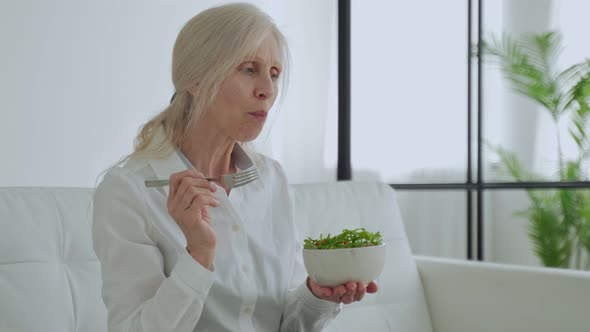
<point>208,48</point>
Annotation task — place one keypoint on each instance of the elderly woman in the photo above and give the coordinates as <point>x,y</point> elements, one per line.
<point>201,254</point>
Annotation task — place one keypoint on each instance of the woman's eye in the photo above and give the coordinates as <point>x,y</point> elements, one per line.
<point>248,70</point>
<point>274,76</point>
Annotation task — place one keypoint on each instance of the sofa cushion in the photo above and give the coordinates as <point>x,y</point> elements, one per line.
<point>400,304</point>
<point>49,274</point>
<point>50,277</point>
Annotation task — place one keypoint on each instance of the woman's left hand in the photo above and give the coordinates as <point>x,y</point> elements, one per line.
<point>345,293</point>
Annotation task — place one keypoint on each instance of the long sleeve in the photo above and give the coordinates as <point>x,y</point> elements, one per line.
<point>303,311</point>
<point>137,293</point>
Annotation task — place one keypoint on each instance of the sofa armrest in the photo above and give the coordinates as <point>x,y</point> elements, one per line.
<point>466,296</point>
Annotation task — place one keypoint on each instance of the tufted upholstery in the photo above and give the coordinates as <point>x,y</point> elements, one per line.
<point>50,278</point>
<point>49,274</point>
<point>322,208</point>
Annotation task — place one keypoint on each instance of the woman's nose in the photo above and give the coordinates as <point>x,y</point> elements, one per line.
<point>265,88</point>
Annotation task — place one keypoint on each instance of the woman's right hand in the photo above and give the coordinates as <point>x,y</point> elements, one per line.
<point>190,196</point>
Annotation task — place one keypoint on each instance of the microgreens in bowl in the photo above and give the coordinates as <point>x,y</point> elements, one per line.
<point>355,238</point>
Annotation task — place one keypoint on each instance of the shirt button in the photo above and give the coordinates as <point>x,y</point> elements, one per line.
<point>235,227</point>
<point>248,310</point>
<point>245,269</point>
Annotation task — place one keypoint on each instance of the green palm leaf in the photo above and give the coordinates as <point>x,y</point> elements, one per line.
<point>513,168</point>
<point>546,230</point>
<point>570,199</point>
<point>567,81</point>
<point>526,63</point>
<point>584,227</point>
<point>548,236</point>
<point>579,100</point>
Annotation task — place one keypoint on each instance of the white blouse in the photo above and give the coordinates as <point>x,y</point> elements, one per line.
<point>151,283</point>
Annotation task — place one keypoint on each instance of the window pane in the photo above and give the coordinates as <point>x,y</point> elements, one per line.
<point>435,222</point>
<point>409,90</point>
<point>519,123</point>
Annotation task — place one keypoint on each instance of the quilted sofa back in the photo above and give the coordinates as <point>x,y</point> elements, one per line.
<point>50,276</point>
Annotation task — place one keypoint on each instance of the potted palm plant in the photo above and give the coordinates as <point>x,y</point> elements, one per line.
<point>558,220</point>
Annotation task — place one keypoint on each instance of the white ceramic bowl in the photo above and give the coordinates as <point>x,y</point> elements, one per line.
<point>332,267</point>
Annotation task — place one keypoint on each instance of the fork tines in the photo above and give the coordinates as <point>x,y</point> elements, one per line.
<point>241,178</point>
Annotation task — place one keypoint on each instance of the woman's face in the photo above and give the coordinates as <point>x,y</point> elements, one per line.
<point>240,109</point>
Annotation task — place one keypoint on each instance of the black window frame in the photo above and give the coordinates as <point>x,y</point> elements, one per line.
<point>479,186</point>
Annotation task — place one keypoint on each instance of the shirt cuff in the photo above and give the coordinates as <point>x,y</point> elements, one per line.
<point>312,301</point>
<point>193,274</point>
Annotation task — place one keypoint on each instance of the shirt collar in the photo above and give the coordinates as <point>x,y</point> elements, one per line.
<point>175,161</point>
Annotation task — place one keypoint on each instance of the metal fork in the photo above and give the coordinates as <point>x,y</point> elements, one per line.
<point>231,180</point>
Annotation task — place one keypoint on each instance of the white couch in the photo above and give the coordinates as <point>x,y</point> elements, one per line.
<point>50,280</point>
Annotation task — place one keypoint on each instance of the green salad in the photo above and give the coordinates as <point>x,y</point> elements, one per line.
<point>355,238</point>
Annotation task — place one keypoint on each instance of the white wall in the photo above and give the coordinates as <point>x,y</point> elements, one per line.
<point>80,77</point>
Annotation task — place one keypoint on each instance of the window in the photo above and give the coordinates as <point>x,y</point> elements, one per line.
<point>409,120</point>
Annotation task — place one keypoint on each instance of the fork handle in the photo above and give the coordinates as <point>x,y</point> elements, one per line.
<point>156,183</point>
<point>163,183</point>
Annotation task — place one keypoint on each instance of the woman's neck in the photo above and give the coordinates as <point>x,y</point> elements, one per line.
<point>208,151</point>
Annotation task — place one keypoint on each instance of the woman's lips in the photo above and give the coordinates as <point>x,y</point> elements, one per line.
<point>259,115</point>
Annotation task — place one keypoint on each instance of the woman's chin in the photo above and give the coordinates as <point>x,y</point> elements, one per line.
<point>249,135</point>
<point>247,139</point>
